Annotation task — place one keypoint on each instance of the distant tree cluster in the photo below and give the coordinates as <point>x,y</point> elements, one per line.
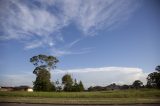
<point>136,85</point>
<point>69,85</point>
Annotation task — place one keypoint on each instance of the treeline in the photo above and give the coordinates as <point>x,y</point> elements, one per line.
<point>43,64</point>
<point>136,85</point>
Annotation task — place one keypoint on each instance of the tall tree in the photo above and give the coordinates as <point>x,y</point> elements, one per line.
<point>153,79</point>
<point>68,82</point>
<point>75,86</point>
<point>81,87</point>
<point>43,64</point>
<point>137,84</point>
<point>78,86</point>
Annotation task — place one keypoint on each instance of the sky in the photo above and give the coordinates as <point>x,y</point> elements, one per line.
<point>97,41</point>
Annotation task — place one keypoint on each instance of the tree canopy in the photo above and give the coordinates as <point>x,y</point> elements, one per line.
<point>153,79</point>
<point>67,81</point>
<point>43,62</point>
<point>137,84</point>
<point>158,68</point>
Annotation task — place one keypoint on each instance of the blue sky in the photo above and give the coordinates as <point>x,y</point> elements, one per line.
<point>97,41</point>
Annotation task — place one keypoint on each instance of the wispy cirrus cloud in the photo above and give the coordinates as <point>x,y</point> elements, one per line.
<point>42,20</point>
<point>67,49</point>
<point>24,20</point>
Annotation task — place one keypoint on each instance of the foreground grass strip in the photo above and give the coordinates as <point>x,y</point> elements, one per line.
<point>130,96</point>
<point>79,100</point>
<point>142,93</point>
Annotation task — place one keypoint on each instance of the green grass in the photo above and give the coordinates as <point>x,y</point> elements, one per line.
<point>101,97</point>
<point>100,94</point>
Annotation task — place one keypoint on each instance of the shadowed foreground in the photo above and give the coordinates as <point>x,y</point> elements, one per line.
<point>15,104</point>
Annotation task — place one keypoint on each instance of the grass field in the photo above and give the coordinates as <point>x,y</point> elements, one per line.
<point>101,97</point>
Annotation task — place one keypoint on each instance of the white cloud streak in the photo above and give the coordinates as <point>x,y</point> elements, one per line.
<point>42,20</point>
<point>90,76</point>
<point>104,75</point>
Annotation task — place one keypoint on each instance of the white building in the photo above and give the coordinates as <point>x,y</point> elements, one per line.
<point>29,90</point>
